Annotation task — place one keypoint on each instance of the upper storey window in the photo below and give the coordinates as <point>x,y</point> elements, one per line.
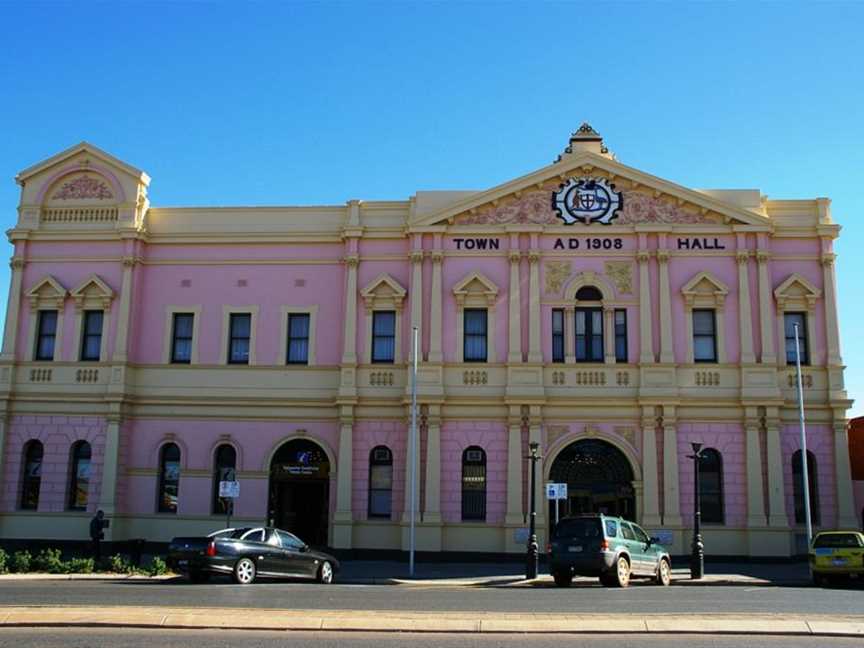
<point>181,338</point>
<point>790,322</point>
<point>46,335</point>
<point>91,336</point>
<point>298,338</point>
<point>476,329</point>
<point>558,335</point>
<point>384,336</point>
<point>704,335</point>
<point>239,338</point>
<point>589,325</point>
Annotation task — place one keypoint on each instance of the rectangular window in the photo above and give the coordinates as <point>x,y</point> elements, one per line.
<point>621,335</point>
<point>589,335</point>
<point>475,332</point>
<point>790,320</point>
<point>46,334</point>
<point>91,340</point>
<point>240,327</point>
<point>557,335</point>
<point>704,336</point>
<point>181,338</point>
<point>383,336</point>
<point>298,338</point>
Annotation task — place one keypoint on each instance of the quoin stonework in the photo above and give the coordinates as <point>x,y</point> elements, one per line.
<point>609,315</point>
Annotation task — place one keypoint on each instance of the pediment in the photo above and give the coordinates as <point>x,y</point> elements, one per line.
<point>647,199</point>
<point>383,291</point>
<point>475,286</point>
<point>47,292</point>
<point>796,290</point>
<point>93,290</point>
<point>704,289</point>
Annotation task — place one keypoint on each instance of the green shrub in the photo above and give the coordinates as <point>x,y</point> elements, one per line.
<point>21,561</point>
<point>79,566</point>
<point>157,567</point>
<point>120,565</point>
<point>4,561</point>
<point>48,560</point>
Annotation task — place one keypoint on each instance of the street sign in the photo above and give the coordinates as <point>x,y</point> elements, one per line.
<point>229,489</point>
<point>556,491</point>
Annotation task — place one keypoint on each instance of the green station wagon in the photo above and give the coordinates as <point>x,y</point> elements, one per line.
<point>609,547</point>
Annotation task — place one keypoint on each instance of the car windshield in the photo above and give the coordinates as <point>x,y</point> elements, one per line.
<point>837,540</point>
<point>579,528</point>
<point>238,533</point>
<point>222,533</point>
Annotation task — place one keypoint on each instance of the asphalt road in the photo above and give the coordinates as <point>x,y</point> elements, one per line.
<point>107,638</point>
<point>640,598</point>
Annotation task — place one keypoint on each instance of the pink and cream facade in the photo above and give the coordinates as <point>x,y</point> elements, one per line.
<point>610,316</point>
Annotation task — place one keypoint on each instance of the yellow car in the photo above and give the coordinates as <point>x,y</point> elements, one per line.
<point>835,555</point>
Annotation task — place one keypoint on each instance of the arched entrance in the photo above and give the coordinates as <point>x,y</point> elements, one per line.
<point>599,479</point>
<point>300,490</point>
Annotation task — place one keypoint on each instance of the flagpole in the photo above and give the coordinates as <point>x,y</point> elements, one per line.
<point>804,472</point>
<point>412,453</point>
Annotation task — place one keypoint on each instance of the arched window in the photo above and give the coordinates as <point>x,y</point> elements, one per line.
<point>32,475</point>
<point>798,488</point>
<point>224,469</point>
<point>169,478</point>
<point>474,484</point>
<point>79,476</point>
<point>711,486</point>
<point>589,326</point>
<point>380,482</point>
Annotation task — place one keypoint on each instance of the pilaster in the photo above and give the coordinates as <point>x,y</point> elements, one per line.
<point>343,517</point>
<point>671,485</point>
<point>765,324</point>
<point>432,508</point>
<point>776,489</point>
<point>121,341</point>
<point>755,494</point>
<point>349,353</point>
<point>646,339</point>
<point>514,312</point>
<point>535,435</point>
<point>570,334</point>
<point>110,470</point>
<point>745,321</point>
<point>13,308</point>
<point>436,311</point>
<point>535,352</point>
<point>650,481</point>
<point>609,334</point>
<point>416,296</point>
<point>832,330</point>
<point>514,515</point>
<point>667,353</point>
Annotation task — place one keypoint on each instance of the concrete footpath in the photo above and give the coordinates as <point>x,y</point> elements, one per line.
<point>421,621</point>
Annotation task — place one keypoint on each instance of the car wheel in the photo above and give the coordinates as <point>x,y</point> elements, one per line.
<point>325,573</point>
<point>664,573</point>
<point>621,576</point>
<point>562,579</point>
<point>199,576</point>
<point>244,571</point>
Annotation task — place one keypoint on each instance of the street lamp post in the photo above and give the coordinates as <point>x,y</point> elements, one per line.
<point>697,549</point>
<point>533,549</point>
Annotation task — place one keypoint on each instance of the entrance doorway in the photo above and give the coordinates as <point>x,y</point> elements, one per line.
<point>599,479</point>
<point>300,491</point>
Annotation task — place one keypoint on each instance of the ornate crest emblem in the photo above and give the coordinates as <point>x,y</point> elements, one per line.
<point>590,200</point>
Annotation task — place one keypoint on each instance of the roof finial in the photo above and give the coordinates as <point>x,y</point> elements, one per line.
<point>585,138</point>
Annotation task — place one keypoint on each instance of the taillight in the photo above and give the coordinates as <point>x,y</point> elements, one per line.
<point>211,549</point>
<point>549,547</point>
<point>604,545</point>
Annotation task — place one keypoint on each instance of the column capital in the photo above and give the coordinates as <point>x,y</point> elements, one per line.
<point>437,256</point>
<point>642,256</point>
<point>417,256</point>
<point>17,263</point>
<point>663,256</point>
<point>533,256</point>
<point>515,256</point>
<point>352,260</point>
<point>130,261</point>
<point>763,256</point>
<point>827,259</point>
<point>742,256</point>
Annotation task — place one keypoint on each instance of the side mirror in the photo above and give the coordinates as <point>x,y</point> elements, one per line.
<point>304,548</point>
<point>653,540</point>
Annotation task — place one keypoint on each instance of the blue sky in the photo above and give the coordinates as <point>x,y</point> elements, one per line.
<point>307,103</point>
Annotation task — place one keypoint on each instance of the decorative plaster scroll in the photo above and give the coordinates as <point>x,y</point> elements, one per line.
<point>628,434</point>
<point>83,188</point>
<point>535,207</point>
<point>556,273</point>
<point>621,274</point>
<point>555,432</point>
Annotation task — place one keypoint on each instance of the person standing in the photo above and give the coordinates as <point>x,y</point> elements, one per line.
<point>97,524</point>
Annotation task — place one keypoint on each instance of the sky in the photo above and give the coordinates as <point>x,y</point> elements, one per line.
<point>297,103</point>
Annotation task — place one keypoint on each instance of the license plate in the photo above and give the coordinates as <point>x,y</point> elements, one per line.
<point>839,562</point>
<point>182,563</point>
<point>575,549</point>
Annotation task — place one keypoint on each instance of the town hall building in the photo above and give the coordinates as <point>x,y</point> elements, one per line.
<point>608,315</point>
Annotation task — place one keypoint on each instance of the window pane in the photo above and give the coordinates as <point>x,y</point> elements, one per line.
<point>240,350</point>
<point>183,325</point>
<point>240,325</point>
<point>475,332</point>
<point>298,325</point>
<point>380,502</point>
<point>703,322</point>
<point>45,351</point>
<point>47,322</point>
<point>580,322</point>
<point>475,322</point>
<point>703,348</point>
<point>93,322</point>
<point>182,350</point>
<point>298,351</point>
<point>384,323</point>
<point>46,334</point>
